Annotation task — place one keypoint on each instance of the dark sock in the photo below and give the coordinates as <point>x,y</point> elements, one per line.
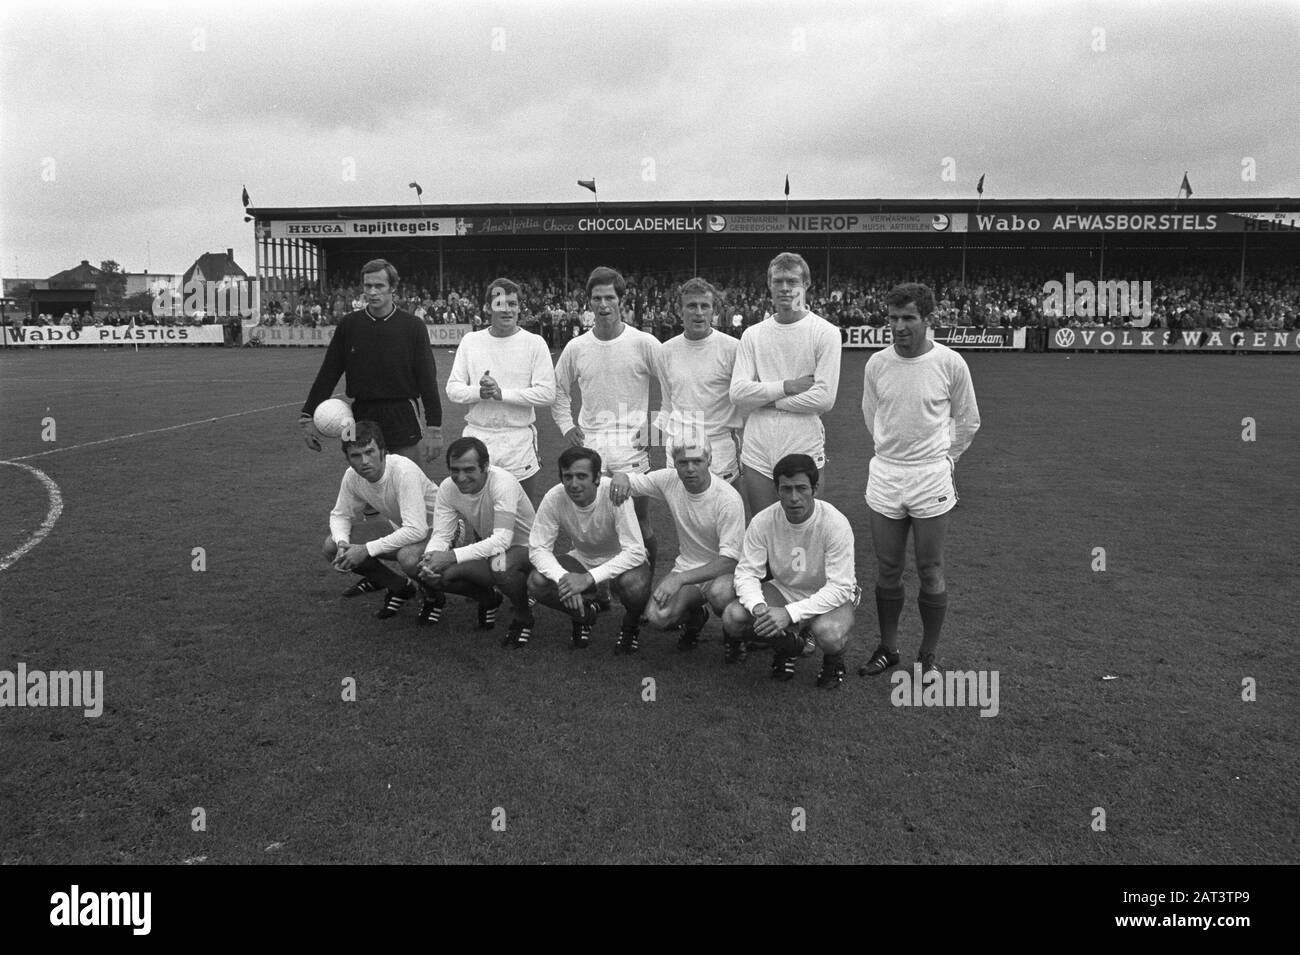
<point>652,551</point>
<point>889,607</point>
<point>932,607</point>
<point>789,643</point>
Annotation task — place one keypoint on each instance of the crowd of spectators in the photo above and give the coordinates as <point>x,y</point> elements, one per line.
<point>986,298</point>
<point>112,317</point>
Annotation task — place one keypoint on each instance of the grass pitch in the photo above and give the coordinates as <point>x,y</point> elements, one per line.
<point>224,687</point>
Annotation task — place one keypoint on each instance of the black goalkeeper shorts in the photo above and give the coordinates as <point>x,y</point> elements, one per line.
<point>396,418</point>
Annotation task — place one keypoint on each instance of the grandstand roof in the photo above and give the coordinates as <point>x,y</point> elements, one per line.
<point>1272,204</point>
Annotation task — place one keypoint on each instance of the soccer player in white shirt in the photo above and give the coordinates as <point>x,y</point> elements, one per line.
<point>503,373</point>
<point>697,366</point>
<point>399,490</point>
<point>607,548</point>
<point>710,519</point>
<point>910,391</point>
<point>806,545</point>
<point>493,505</point>
<point>612,364</point>
<point>786,377</point>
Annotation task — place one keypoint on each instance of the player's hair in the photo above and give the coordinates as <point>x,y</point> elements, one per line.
<point>506,286</point>
<point>604,275</point>
<point>380,265</point>
<point>699,286</point>
<point>909,293</point>
<point>681,444</point>
<point>570,456</point>
<point>463,446</point>
<point>790,260</point>
<point>362,434</point>
<point>792,465</point>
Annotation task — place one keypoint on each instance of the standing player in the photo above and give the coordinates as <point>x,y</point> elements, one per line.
<point>607,548</point>
<point>909,392</point>
<point>697,366</point>
<point>491,502</point>
<point>612,364</point>
<point>386,355</point>
<point>395,487</point>
<point>710,519</point>
<point>806,546</point>
<point>503,373</point>
<point>786,376</point>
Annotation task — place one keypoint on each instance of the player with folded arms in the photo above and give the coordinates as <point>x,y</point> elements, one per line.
<point>786,376</point>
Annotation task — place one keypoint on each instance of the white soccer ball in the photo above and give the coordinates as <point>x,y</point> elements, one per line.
<point>332,416</point>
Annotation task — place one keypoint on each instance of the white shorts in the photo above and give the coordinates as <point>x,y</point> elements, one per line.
<point>765,464</point>
<point>725,451</point>
<point>513,449</point>
<point>922,490</point>
<point>771,437</point>
<point>616,454</point>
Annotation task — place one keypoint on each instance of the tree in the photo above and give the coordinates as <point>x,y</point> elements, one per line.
<point>110,285</point>
<point>139,302</point>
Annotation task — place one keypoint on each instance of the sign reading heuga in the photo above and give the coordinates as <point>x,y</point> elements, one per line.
<point>360,228</point>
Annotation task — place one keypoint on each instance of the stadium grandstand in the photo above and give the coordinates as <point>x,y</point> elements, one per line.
<point>1232,264</point>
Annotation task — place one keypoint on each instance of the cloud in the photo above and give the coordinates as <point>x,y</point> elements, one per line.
<point>157,115</point>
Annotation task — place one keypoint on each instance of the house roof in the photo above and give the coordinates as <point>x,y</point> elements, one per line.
<point>83,274</point>
<point>215,266</point>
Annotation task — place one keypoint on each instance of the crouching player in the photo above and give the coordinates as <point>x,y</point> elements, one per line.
<point>710,519</point>
<point>491,502</point>
<point>398,489</point>
<point>808,547</point>
<point>607,548</point>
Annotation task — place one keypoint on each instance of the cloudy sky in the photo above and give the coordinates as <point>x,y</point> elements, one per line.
<point>128,129</point>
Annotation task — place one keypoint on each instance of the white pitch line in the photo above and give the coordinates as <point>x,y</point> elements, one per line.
<point>139,434</point>
<point>47,525</point>
<point>151,381</point>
